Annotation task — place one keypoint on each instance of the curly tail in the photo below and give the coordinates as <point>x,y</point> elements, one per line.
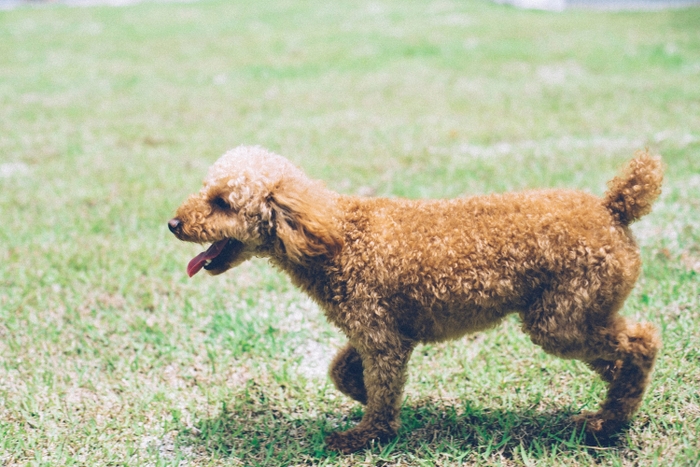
<point>630,195</point>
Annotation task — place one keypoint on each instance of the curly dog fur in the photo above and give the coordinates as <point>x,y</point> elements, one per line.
<point>393,273</point>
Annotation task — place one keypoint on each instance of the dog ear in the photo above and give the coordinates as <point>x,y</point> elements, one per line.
<point>304,226</point>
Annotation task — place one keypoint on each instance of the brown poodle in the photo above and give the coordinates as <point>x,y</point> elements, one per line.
<point>392,273</point>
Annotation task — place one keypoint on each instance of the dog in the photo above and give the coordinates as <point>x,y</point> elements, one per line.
<point>391,273</point>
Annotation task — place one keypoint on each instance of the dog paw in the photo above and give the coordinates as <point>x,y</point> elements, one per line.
<point>355,439</point>
<point>592,422</point>
<point>597,425</point>
<point>347,441</point>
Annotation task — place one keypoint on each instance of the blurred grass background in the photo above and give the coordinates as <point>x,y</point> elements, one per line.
<point>110,116</point>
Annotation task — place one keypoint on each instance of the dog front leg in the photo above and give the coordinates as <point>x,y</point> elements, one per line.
<point>384,374</point>
<point>346,373</point>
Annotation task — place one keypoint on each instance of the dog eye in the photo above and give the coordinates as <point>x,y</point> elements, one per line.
<point>221,203</point>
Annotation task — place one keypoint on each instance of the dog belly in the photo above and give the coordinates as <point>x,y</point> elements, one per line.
<point>446,321</point>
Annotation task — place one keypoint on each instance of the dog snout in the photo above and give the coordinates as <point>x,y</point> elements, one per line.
<point>175,225</point>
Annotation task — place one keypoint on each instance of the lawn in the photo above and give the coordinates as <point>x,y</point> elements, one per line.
<point>109,117</point>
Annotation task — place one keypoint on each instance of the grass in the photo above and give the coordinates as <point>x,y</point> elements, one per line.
<point>109,117</point>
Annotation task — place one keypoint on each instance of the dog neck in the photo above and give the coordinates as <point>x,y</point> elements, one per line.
<point>314,277</point>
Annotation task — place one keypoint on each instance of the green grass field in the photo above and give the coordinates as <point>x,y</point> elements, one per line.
<point>109,117</point>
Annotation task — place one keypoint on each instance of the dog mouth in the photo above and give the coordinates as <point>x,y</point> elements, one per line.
<point>216,258</point>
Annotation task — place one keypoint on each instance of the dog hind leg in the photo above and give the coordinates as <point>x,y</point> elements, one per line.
<point>620,351</point>
<point>633,347</point>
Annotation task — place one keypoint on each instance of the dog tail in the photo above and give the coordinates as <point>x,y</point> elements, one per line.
<point>630,195</point>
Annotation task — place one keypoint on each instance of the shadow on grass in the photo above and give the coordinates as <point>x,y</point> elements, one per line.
<point>485,431</point>
<point>271,434</point>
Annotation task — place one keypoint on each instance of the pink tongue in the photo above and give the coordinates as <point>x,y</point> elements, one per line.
<point>198,262</point>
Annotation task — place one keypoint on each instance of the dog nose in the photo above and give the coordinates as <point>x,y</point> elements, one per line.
<point>174,225</point>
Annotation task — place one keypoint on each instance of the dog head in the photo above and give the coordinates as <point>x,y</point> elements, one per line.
<point>256,203</point>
